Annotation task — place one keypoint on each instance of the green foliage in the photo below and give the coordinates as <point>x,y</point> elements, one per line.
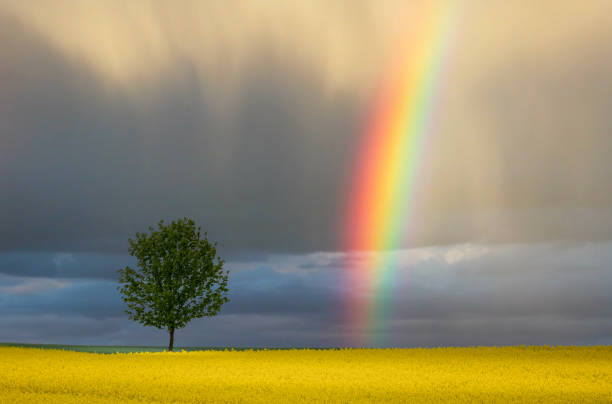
<point>179,277</point>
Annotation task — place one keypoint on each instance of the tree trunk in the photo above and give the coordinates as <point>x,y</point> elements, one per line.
<point>171,344</point>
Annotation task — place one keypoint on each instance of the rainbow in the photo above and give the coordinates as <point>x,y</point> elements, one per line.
<point>386,174</point>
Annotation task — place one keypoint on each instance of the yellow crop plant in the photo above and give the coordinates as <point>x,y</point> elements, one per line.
<point>509,374</point>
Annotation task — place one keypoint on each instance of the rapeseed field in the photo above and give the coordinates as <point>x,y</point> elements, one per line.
<point>510,374</point>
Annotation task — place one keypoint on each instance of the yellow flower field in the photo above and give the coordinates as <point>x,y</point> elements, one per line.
<point>519,374</point>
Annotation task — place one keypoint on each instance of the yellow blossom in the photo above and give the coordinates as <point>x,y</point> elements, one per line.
<point>509,374</point>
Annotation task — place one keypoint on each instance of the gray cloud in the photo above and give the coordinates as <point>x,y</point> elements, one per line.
<point>94,300</point>
<point>457,295</point>
<point>89,168</point>
<point>256,140</point>
<point>520,154</point>
<point>63,265</point>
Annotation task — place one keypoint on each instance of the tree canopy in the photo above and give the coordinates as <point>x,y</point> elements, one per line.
<point>178,277</point>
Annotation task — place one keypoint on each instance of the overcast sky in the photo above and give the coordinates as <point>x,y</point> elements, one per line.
<point>247,117</point>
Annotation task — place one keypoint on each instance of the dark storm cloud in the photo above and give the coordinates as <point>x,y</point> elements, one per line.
<point>63,265</point>
<point>266,292</point>
<point>257,291</point>
<point>87,168</point>
<point>458,295</point>
<point>85,165</point>
<point>94,300</point>
<point>98,142</point>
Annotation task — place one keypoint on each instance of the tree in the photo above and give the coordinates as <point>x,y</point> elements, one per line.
<point>179,277</point>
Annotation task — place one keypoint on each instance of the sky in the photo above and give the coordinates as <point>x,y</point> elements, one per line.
<point>248,117</point>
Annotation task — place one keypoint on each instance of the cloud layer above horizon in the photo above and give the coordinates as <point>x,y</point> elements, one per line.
<point>247,117</point>
<point>466,294</point>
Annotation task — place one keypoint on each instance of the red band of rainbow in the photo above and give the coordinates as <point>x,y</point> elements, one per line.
<point>386,170</point>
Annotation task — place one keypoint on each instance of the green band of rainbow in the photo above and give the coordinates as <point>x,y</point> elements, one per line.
<point>386,173</point>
